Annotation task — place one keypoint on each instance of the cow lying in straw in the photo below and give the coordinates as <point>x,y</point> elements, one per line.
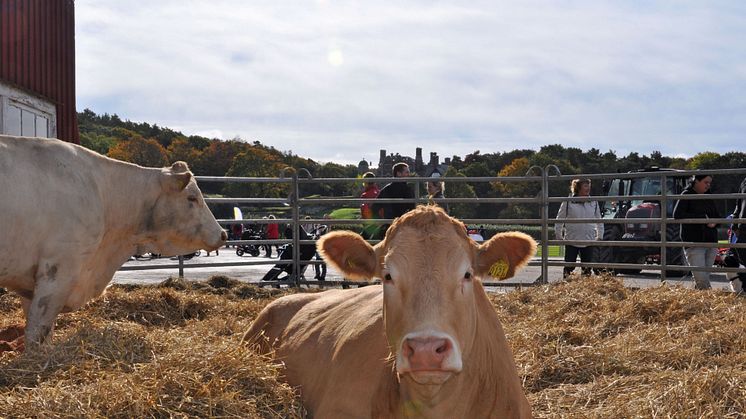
<point>426,343</point>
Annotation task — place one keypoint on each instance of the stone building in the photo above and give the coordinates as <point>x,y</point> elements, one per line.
<point>416,164</point>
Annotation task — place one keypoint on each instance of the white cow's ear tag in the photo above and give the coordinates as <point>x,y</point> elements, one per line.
<point>499,269</point>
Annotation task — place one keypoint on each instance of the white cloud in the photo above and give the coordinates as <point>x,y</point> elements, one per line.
<point>341,80</point>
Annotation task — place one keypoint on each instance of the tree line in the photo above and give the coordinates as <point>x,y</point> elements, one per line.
<point>154,146</point>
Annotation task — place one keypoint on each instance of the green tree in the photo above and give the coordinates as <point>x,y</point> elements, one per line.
<point>255,162</point>
<point>707,160</point>
<point>334,170</point>
<point>97,142</point>
<point>459,190</point>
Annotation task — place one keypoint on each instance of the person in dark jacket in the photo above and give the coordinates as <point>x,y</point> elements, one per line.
<point>705,232</point>
<point>394,190</point>
<point>740,230</point>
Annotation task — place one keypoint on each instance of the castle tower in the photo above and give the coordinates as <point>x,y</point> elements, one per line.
<point>418,163</point>
<point>381,163</point>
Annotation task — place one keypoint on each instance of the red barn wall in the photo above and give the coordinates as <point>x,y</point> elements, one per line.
<point>37,54</point>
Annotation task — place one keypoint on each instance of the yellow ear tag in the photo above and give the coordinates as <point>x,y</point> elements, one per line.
<point>499,269</point>
<point>350,263</point>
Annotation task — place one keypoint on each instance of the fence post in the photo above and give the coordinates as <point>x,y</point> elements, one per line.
<point>543,279</point>
<point>295,228</point>
<point>664,225</point>
<point>181,266</point>
<point>545,221</point>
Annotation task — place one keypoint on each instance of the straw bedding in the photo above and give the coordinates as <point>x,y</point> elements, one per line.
<point>584,348</point>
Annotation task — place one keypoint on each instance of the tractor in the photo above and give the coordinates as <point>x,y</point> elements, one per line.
<point>630,208</point>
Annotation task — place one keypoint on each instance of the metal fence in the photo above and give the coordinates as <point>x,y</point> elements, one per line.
<point>294,203</point>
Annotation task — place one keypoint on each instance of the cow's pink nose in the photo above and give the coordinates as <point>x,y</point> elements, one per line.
<point>223,235</point>
<point>426,354</point>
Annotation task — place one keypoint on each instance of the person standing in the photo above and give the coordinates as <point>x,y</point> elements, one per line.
<point>370,191</point>
<point>320,268</point>
<point>436,189</point>
<point>579,231</point>
<point>307,225</point>
<point>236,231</point>
<point>740,230</point>
<point>704,232</point>
<point>273,233</point>
<point>394,190</point>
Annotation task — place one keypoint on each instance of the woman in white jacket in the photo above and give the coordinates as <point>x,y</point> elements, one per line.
<point>579,231</point>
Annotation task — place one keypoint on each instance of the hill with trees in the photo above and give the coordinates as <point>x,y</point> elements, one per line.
<point>151,145</point>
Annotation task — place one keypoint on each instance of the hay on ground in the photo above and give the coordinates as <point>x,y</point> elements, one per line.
<point>585,348</point>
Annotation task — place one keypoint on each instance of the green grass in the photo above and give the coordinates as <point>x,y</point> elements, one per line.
<point>345,213</point>
<point>554,251</point>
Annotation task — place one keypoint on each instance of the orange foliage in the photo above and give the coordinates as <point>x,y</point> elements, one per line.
<point>138,150</point>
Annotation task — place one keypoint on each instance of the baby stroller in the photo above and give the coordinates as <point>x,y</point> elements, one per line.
<point>251,249</point>
<point>307,251</point>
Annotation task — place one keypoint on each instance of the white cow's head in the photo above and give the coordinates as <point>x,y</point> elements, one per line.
<point>430,269</point>
<point>180,222</point>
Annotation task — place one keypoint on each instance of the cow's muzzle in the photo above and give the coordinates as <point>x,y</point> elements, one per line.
<point>217,245</point>
<point>429,359</point>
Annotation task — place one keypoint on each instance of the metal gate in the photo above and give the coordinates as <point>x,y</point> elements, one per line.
<point>294,203</point>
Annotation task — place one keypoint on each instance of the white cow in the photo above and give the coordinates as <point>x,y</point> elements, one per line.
<point>69,218</point>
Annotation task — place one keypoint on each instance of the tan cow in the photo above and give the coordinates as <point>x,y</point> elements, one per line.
<point>427,343</point>
<point>69,218</point>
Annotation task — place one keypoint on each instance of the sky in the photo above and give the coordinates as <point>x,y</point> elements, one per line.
<point>337,81</point>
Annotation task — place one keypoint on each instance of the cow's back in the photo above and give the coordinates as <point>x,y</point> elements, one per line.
<point>333,343</point>
<point>42,183</point>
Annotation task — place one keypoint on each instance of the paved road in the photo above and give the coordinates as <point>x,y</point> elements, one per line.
<point>260,265</point>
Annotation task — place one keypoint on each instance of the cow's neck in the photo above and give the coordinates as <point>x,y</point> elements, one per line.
<point>128,218</point>
<point>453,399</point>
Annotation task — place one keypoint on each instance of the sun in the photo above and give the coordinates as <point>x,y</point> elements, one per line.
<point>335,57</point>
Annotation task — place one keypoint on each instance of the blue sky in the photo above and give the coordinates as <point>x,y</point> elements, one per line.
<point>339,80</point>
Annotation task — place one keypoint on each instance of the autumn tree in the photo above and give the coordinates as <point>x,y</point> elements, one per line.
<point>138,150</point>
<point>181,149</point>
<point>517,168</point>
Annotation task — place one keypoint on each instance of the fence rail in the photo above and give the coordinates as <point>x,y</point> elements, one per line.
<point>294,204</point>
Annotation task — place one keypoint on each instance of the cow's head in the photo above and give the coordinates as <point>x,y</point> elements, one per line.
<point>430,270</point>
<point>180,221</point>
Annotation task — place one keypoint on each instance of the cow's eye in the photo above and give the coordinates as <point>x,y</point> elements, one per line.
<point>467,275</point>
<point>192,199</point>
<point>387,277</point>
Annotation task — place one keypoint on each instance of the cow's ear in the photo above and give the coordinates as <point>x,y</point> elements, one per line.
<point>504,254</point>
<point>349,253</point>
<point>176,182</point>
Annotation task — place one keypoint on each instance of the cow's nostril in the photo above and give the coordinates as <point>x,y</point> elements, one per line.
<point>407,349</point>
